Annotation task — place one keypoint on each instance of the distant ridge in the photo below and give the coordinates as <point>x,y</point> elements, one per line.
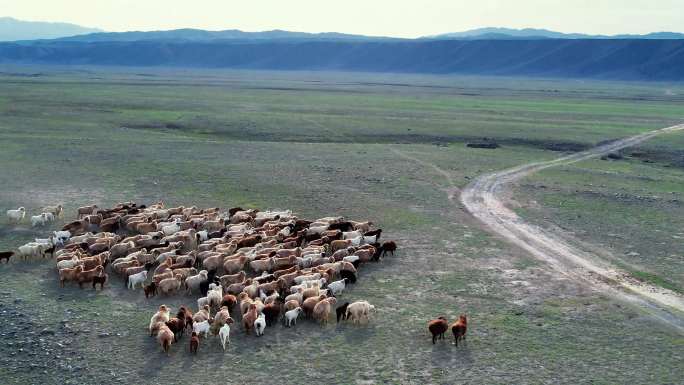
<point>531,33</point>
<point>12,30</point>
<point>624,59</point>
<point>189,34</point>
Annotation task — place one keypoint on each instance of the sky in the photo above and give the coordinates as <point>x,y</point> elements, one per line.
<point>397,18</point>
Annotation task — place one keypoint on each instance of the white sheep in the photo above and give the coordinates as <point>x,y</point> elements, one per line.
<point>201,327</point>
<point>15,216</point>
<point>49,217</point>
<point>291,316</point>
<point>202,235</point>
<point>202,301</point>
<point>319,282</point>
<point>310,277</point>
<point>62,236</point>
<point>215,296</point>
<point>260,324</point>
<point>32,249</point>
<point>138,278</point>
<point>224,335</point>
<point>38,220</point>
<point>49,242</point>
<point>172,228</point>
<point>337,287</point>
<point>68,263</point>
<point>351,234</point>
<point>351,258</point>
<point>192,283</point>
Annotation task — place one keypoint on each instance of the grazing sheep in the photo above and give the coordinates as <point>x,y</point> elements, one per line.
<point>337,287</point>
<point>202,327</point>
<point>321,311</point>
<point>87,276</point>
<point>347,274</point>
<point>170,285</point>
<point>69,263</point>
<point>224,335</point>
<point>56,211</point>
<point>202,314</point>
<point>6,255</point>
<point>192,283</point>
<point>150,290</point>
<point>388,247</point>
<point>272,313</point>
<point>165,337</point>
<point>135,279</point>
<point>69,274</point>
<point>459,328</point>
<point>438,327</point>
<point>291,316</point>
<point>229,279</point>
<point>177,325</point>
<point>249,318</point>
<point>310,303</point>
<point>86,210</point>
<point>342,311</point>
<point>101,280</point>
<point>359,310</point>
<point>31,250</point>
<point>260,325</point>
<point>194,343</point>
<point>161,316</point>
<point>15,216</point>
<point>39,220</point>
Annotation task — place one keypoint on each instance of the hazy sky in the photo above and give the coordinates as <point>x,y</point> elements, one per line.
<point>402,18</point>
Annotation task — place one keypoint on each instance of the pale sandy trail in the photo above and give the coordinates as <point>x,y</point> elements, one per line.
<point>484,199</point>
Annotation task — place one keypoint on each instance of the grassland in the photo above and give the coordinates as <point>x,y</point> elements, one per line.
<point>326,143</point>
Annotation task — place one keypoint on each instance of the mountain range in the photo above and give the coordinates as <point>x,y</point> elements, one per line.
<point>500,52</point>
<point>531,33</point>
<point>12,29</point>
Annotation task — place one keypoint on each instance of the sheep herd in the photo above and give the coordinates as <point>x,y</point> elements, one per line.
<point>264,266</point>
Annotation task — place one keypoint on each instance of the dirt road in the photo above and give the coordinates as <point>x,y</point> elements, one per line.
<point>483,198</point>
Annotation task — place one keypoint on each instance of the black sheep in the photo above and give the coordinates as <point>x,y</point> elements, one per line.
<point>342,311</point>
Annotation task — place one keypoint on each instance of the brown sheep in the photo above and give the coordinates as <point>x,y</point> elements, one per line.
<point>194,343</point>
<point>249,318</point>
<point>237,288</point>
<point>321,310</point>
<point>101,280</point>
<point>157,278</point>
<point>229,301</point>
<point>165,337</point>
<point>213,263</point>
<point>340,244</point>
<point>86,276</point>
<point>170,285</point>
<point>93,262</point>
<point>310,303</point>
<point>438,327</point>
<point>249,241</point>
<point>232,266</point>
<point>280,273</point>
<point>86,210</point>
<point>229,279</point>
<point>150,290</point>
<point>290,305</point>
<point>69,274</point>
<point>459,328</point>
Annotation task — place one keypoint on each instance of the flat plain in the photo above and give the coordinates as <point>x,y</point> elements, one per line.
<point>362,146</point>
